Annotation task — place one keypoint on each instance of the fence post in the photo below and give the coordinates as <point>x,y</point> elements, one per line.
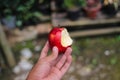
<point>6,48</point>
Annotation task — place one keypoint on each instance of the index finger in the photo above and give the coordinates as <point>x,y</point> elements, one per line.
<point>45,50</point>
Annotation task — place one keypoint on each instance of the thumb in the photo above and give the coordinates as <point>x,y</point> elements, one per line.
<point>54,54</point>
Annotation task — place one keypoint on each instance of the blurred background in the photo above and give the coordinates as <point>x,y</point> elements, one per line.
<point>94,25</point>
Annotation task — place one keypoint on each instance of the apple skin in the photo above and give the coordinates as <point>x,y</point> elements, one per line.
<point>55,39</point>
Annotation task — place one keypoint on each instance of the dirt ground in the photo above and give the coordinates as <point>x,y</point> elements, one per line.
<point>93,59</point>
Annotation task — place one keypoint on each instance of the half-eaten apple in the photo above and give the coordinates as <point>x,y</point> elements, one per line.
<point>60,38</point>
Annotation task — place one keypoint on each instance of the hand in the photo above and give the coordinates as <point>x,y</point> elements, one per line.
<point>51,67</point>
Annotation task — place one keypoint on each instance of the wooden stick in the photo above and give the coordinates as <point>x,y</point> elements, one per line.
<point>6,48</point>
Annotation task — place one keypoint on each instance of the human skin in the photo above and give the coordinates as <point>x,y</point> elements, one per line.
<point>51,67</point>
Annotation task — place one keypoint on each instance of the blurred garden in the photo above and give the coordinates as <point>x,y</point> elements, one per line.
<point>94,26</point>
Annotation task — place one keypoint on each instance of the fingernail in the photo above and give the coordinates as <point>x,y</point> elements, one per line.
<point>69,49</point>
<point>55,48</point>
<point>55,52</point>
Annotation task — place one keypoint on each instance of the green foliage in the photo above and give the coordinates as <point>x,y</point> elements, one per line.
<point>76,50</point>
<point>94,61</point>
<point>24,13</point>
<point>9,4</point>
<point>113,60</point>
<point>82,3</point>
<point>25,7</point>
<point>18,23</point>
<point>118,37</point>
<point>22,45</point>
<point>70,3</point>
<point>7,7</point>
<point>23,10</point>
<point>74,3</point>
<point>7,11</point>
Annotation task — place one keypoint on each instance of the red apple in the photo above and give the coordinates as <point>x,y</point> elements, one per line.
<point>60,38</point>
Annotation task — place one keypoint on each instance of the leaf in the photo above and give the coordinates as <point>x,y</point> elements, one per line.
<point>7,11</point>
<point>27,16</point>
<point>37,14</point>
<point>118,38</point>
<point>21,8</point>
<point>19,23</point>
<point>94,61</point>
<point>69,3</point>
<point>82,3</point>
<point>113,60</point>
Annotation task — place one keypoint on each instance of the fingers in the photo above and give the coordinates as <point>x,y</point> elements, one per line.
<point>68,61</point>
<point>61,62</point>
<point>63,59</point>
<point>68,51</point>
<point>44,50</point>
<point>66,65</point>
<point>53,56</point>
<point>64,62</point>
<point>57,59</point>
